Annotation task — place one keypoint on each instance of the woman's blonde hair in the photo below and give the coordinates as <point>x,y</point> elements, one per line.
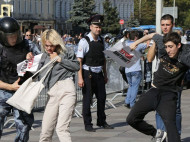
<point>52,36</point>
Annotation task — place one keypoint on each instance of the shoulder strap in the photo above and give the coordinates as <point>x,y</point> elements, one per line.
<point>102,41</point>
<point>87,39</point>
<point>45,66</point>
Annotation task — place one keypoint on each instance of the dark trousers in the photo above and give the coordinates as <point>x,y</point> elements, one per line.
<point>97,85</point>
<point>164,103</point>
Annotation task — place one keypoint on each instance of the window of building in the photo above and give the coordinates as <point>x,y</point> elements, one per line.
<point>25,6</point>
<point>60,7</point>
<point>19,6</point>
<point>129,10</point>
<point>101,8</point>
<point>30,1</point>
<point>125,10</point>
<point>65,9</point>
<point>41,7</point>
<point>36,6</point>
<point>57,5</point>
<point>14,6</point>
<point>69,10</point>
<point>48,7</point>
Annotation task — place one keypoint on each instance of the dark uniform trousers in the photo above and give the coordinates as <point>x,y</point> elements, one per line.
<point>95,85</point>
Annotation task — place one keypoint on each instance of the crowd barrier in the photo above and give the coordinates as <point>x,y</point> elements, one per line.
<point>115,84</point>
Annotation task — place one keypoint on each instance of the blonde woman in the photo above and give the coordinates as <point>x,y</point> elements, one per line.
<point>59,86</point>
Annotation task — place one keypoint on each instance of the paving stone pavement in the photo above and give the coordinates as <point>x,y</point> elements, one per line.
<point>116,117</point>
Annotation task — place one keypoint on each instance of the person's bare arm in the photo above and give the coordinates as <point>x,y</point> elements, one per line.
<point>80,77</point>
<point>10,87</point>
<point>151,52</point>
<point>141,40</point>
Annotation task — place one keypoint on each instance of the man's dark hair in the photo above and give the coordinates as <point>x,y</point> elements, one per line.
<point>133,34</point>
<point>173,37</point>
<point>167,17</point>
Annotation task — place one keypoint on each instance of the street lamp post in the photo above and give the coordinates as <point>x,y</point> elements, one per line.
<point>159,5</point>
<point>174,11</point>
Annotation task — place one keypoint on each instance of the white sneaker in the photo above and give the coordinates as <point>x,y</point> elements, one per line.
<point>160,136</point>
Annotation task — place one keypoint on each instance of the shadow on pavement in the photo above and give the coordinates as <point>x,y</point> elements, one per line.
<point>186,139</point>
<point>119,124</point>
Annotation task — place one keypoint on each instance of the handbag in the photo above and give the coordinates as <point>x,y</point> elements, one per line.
<point>24,98</point>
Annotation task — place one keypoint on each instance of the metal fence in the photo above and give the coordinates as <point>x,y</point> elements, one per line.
<point>115,84</point>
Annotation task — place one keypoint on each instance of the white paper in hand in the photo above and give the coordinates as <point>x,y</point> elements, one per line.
<point>122,54</point>
<point>32,65</point>
<point>29,65</point>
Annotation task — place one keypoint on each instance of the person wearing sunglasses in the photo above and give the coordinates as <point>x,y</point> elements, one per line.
<point>28,35</point>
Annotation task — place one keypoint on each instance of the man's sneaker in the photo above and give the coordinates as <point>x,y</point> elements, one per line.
<point>160,136</point>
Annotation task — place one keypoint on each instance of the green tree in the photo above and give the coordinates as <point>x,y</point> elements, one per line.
<point>183,19</point>
<point>145,11</point>
<point>81,11</point>
<point>111,18</point>
<point>132,22</point>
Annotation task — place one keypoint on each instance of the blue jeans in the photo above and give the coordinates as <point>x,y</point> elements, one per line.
<point>134,79</point>
<point>23,121</point>
<point>160,123</point>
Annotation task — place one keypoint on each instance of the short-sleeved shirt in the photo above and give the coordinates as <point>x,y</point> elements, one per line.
<point>83,48</point>
<point>137,66</point>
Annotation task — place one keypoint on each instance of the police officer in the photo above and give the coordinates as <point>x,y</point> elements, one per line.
<point>92,75</point>
<point>13,50</point>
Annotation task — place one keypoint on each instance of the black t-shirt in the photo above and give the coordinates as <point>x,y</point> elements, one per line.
<point>169,74</point>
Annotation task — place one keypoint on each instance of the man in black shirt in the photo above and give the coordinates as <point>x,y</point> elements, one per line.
<point>162,96</point>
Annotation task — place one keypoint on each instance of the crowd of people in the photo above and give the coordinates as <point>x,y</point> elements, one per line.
<point>84,54</point>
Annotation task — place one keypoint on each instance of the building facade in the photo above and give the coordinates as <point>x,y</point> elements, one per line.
<point>125,9</point>
<point>34,15</point>
<point>40,14</point>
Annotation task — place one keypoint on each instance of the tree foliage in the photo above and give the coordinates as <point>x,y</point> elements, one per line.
<point>132,22</point>
<point>146,11</point>
<point>81,11</point>
<point>111,18</point>
<point>183,12</point>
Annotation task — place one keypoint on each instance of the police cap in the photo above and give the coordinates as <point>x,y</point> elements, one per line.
<point>96,20</point>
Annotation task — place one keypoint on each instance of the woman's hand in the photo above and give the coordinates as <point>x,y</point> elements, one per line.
<point>29,56</point>
<point>53,55</point>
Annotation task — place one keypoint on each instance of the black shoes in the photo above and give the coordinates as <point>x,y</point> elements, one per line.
<point>89,129</point>
<point>106,126</point>
<point>127,106</point>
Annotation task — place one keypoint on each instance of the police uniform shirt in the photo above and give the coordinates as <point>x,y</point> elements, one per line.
<point>83,48</point>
